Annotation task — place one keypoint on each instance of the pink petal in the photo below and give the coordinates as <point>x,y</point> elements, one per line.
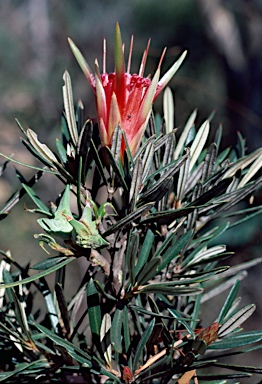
<point>130,54</point>
<point>103,133</point>
<point>114,116</point>
<point>100,98</point>
<point>134,143</point>
<point>143,61</point>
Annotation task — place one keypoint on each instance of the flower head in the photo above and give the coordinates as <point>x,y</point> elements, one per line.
<point>122,98</point>
<point>210,333</point>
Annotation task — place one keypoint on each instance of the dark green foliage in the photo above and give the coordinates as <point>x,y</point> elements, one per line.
<point>146,227</point>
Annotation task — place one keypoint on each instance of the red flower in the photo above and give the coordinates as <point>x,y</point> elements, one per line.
<point>123,98</point>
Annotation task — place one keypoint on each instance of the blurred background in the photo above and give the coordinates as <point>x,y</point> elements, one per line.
<point>222,73</point>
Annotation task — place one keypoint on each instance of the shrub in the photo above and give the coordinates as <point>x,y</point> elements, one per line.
<point>144,204</point>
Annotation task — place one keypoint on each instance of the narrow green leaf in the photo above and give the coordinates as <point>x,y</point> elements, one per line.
<point>182,179</point>
<point>244,212</point>
<point>28,165</point>
<point>213,259</point>
<point>236,320</point>
<point>17,338</point>
<point>207,255</point>
<point>174,250</point>
<point>98,162</point>
<point>165,245</point>
<point>105,326</point>
<point>168,216</point>
<point>168,107</point>
<point>163,182</point>
<point>167,170</point>
<point>136,181</point>
<point>157,191</point>
<point>116,142</point>
<point>117,168</point>
<point>171,290</point>
<point>38,275</point>
<point>20,367</point>
<point>241,144</point>
<point>142,149</point>
<point>79,115</point>
<point>127,152</point>
<point>191,136</point>
<point>149,271</point>
<point>160,142</point>
<point>77,353</point>
<point>4,266</point>
<point>94,309</point>
<point>150,313</point>
<point>236,196</point>
<point>171,72</point>
<point>193,178</point>
<point>37,156</point>
<point>195,311</point>
<point>184,134</point>
<point>162,362</point>
<point>131,255</point>
<point>40,204</point>
<point>81,61</point>
<point>126,327</point>
<point>64,130</point>
<point>69,108</point>
<point>100,289</point>
<point>209,162</point>
<point>183,321</point>
<point>21,317</point>
<point>62,306</point>
<point>229,302</point>
<point>216,377</point>
<point>198,277</point>
<point>78,358</point>
<point>104,372</point>
<point>243,266</point>
<point>237,341</point>
<point>42,149</point>
<point>218,231</point>
<point>7,279</point>
<point>218,189</point>
<point>116,330</point>
<point>52,312</point>
<point>145,251</point>
<point>242,368</point>
<point>48,263</point>
<point>169,149</point>
<point>224,285</point>
<point>61,152</point>
<point>252,171</point>
<point>242,163</point>
<point>142,343</point>
<point>83,146</point>
<point>222,156</point>
<point>147,159</point>
<point>128,219</point>
<point>198,143</point>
